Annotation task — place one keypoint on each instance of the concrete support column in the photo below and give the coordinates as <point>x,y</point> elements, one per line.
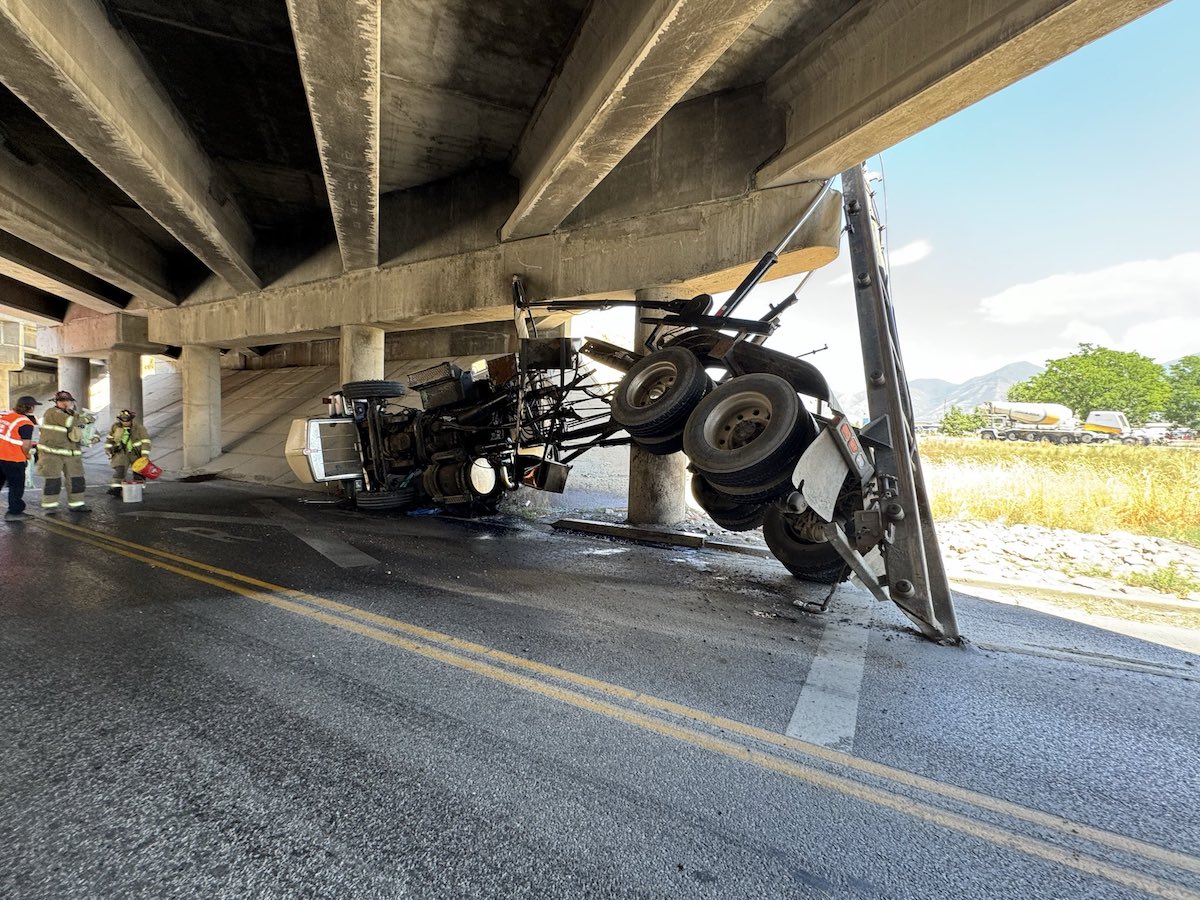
<point>125,381</point>
<point>201,368</point>
<point>75,375</point>
<point>657,484</point>
<point>6,398</point>
<point>361,353</point>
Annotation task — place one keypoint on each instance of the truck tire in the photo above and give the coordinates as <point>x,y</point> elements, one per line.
<point>379,501</point>
<point>756,493</point>
<point>987,435</point>
<point>1086,438</point>
<point>661,446</point>
<point>748,432</point>
<point>1013,436</point>
<point>373,390</point>
<point>659,392</point>
<point>727,512</point>
<point>807,560</point>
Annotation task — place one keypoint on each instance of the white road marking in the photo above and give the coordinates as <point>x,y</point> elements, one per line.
<point>336,551</point>
<point>827,711</point>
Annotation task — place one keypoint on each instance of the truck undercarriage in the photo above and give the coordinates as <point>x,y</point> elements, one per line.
<point>767,442</point>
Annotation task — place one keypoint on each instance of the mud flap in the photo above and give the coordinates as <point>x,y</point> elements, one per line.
<point>820,474</point>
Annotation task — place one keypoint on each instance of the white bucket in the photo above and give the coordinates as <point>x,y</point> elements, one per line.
<point>131,491</point>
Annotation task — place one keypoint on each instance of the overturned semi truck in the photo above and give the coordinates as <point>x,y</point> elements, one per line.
<point>767,442</point>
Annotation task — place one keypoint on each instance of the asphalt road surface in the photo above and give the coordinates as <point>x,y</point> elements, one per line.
<point>224,691</point>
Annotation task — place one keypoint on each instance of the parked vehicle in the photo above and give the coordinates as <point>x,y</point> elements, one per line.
<point>1053,423</point>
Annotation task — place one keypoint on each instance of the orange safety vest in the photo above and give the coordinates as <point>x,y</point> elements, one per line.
<point>11,446</point>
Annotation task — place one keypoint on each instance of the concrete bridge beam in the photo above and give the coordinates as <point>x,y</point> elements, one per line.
<point>71,67</point>
<point>32,266</point>
<point>57,218</point>
<point>338,46</point>
<point>629,64</point>
<point>891,68</point>
<point>31,304</point>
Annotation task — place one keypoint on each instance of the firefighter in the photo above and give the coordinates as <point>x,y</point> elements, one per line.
<point>127,441</point>
<point>60,452</point>
<point>16,443</point>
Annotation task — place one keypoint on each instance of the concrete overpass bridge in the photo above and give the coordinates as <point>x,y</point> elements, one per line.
<point>249,185</point>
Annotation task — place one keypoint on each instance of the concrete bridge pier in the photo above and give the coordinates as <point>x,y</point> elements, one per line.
<point>74,375</point>
<point>657,484</point>
<point>361,353</point>
<point>12,359</point>
<point>124,382</point>
<point>201,370</point>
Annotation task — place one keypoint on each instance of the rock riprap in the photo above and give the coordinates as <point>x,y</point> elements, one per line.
<point>998,552</point>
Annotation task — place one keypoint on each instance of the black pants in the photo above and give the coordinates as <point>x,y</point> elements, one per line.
<point>14,480</point>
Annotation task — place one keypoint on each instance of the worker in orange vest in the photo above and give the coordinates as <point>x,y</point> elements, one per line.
<point>16,443</point>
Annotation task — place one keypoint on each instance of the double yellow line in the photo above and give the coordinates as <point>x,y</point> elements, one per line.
<point>761,748</point>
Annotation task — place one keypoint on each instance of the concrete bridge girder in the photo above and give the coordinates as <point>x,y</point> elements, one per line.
<point>892,68</point>
<point>71,66</point>
<point>58,219</point>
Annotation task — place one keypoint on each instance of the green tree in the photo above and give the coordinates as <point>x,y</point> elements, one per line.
<point>1184,405</point>
<point>957,423</point>
<point>1098,378</point>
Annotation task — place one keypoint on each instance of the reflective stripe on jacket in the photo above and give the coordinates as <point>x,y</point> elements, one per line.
<point>55,425</point>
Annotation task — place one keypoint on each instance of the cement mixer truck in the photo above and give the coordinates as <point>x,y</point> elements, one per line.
<point>1053,423</point>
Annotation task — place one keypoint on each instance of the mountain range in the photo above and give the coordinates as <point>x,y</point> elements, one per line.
<point>932,398</point>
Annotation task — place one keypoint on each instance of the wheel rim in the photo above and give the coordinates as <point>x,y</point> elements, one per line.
<point>651,384</point>
<point>738,420</point>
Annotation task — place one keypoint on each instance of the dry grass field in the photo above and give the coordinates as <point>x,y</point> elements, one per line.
<point>1144,490</point>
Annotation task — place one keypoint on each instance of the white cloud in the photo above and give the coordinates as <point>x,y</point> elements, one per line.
<point>1078,332</point>
<point>910,253</point>
<point>1165,339</point>
<point>1163,286</point>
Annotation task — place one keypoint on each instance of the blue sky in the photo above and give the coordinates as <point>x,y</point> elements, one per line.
<point>1062,209</point>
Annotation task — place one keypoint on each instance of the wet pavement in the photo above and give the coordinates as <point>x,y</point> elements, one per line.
<point>229,691</point>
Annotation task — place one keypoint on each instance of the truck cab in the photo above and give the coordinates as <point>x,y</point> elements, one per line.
<point>1109,422</point>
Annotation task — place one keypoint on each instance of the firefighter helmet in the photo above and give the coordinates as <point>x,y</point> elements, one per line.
<point>125,415</point>
<point>64,395</point>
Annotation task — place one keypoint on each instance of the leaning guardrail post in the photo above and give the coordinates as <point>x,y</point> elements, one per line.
<point>916,576</point>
